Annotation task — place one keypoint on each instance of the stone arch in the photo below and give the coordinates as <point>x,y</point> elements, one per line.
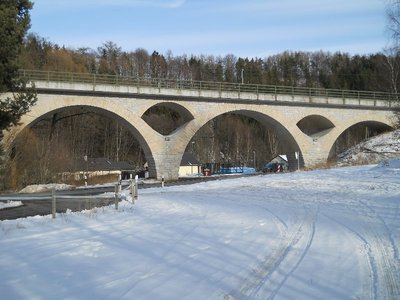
<point>133,123</point>
<point>183,111</point>
<point>379,126</point>
<point>287,138</point>
<point>184,114</point>
<point>315,125</point>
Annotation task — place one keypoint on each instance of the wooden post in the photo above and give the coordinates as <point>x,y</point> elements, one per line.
<point>135,193</point>
<point>116,196</point>
<point>131,187</point>
<point>53,203</point>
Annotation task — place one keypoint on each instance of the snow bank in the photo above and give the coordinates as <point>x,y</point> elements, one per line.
<point>37,188</point>
<point>388,165</point>
<point>10,204</point>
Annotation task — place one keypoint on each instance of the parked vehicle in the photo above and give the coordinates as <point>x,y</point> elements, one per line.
<point>273,168</point>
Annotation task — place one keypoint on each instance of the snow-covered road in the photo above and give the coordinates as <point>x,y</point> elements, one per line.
<point>331,234</point>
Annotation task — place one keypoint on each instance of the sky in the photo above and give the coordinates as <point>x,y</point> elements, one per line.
<point>251,28</point>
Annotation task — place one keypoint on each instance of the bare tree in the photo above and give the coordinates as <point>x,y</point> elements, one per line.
<point>109,54</point>
<point>142,58</point>
<point>393,18</point>
<point>393,57</point>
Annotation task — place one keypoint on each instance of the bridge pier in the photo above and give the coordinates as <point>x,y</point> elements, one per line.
<point>294,162</point>
<point>167,166</point>
<point>167,155</point>
<point>315,151</point>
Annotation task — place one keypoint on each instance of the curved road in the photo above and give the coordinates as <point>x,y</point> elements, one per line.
<point>40,203</point>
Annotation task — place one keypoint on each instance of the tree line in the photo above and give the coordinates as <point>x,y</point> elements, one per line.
<point>376,72</point>
<point>14,23</point>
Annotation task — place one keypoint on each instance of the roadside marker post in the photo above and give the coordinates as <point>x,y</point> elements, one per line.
<point>53,203</point>
<point>119,183</point>
<point>116,196</point>
<point>135,190</point>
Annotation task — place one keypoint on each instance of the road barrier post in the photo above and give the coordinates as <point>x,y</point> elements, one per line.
<point>135,193</point>
<point>53,203</point>
<point>132,188</point>
<point>116,196</point>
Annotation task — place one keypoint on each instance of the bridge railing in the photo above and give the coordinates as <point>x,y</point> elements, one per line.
<point>99,79</point>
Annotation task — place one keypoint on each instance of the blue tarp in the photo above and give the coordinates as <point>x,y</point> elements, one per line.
<point>233,170</point>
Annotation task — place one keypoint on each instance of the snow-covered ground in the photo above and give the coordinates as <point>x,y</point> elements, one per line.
<point>373,150</point>
<point>328,234</point>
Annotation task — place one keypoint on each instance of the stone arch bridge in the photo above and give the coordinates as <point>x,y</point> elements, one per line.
<point>308,121</point>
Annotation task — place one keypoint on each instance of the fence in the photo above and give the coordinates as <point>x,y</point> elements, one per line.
<point>57,202</point>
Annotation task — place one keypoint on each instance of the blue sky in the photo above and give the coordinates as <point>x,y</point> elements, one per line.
<point>245,28</point>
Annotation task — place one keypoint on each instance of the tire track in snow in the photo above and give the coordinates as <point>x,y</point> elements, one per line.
<point>307,248</point>
<point>283,248</point>
<point>371,262</point>
<point>389,232</point>
<point>280,223</point>
<point>177,242</point>
<point>266,280</point>
<point>389,267</point>
<point>385,267</point>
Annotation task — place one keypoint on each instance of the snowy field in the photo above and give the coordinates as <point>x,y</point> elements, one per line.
<point>331,234</point>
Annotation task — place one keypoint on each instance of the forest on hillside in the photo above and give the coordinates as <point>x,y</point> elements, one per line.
<point>58,142</point>
<point>374,72</point>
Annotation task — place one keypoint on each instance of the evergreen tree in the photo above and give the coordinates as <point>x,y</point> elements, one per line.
<point>14,23</point>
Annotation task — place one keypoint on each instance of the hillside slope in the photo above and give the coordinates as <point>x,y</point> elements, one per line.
<point>373,150</point>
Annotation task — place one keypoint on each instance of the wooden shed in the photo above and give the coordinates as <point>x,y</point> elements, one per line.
<point>189,165</point>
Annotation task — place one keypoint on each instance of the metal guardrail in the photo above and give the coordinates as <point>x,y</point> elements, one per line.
<point>99,79</point>
<point>55,203</point>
